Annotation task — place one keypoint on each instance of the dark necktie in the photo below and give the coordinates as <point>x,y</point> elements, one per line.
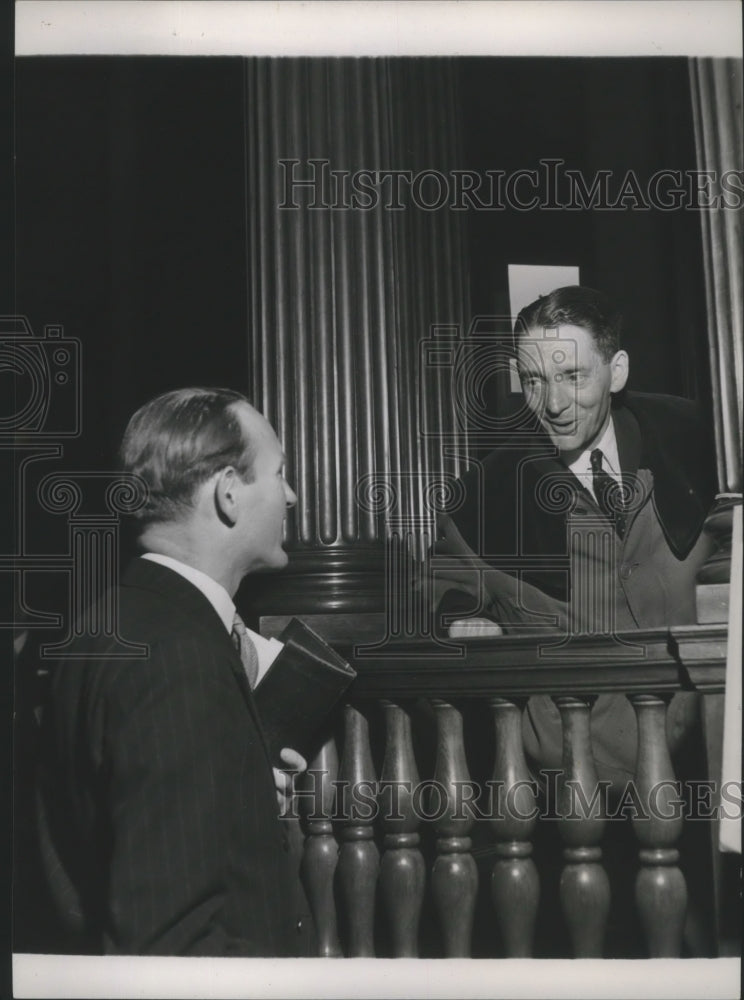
<point>245,647</point>
<point>608,493</point>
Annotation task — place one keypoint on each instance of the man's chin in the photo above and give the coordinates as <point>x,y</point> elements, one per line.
<point>279,560</point>
<point>268,563</point>
<point>565,442</point>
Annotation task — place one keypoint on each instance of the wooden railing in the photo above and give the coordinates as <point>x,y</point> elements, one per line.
<point>368,839</point>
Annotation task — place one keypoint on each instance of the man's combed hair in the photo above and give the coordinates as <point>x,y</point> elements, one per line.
<point>178,441</point>
<point>574,305</point>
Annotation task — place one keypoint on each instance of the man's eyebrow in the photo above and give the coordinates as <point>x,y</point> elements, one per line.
<point>525,370</point>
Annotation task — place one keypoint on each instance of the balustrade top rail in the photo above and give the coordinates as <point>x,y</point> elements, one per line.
<point>678,658</point>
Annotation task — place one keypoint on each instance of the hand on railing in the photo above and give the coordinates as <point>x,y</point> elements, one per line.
<point>507,597</point>
<point>474,628</point>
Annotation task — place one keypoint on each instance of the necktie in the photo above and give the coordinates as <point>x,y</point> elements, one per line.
<point>608,493</point>
<point>245,647</point>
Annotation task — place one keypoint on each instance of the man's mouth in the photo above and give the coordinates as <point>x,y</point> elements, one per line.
<point>557,427</point>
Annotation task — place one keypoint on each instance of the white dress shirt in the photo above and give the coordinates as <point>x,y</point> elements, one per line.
<point>223,604</point>
<point>582,466</point>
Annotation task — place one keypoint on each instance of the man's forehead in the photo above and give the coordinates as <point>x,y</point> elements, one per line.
<point>255,425</point>
<point>559,345</point>
<point>249,415</point>
<point>559,332</point>
<point>558,351</point>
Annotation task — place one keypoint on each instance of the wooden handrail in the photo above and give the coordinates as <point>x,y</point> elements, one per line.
<point>655,660</point>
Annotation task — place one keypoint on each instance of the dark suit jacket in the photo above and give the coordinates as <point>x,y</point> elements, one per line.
<point>503,514</point>
<point>514,525</point>
<point>158,808</point>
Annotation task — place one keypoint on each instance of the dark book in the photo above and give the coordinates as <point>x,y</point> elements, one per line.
<point>298,692</point>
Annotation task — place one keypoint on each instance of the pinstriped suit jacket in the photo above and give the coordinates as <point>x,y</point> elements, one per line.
<point>158,809</point>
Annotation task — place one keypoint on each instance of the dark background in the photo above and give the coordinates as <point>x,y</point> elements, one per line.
<point>595,114</point>
<point>130,222</point>
<point>131,214</point>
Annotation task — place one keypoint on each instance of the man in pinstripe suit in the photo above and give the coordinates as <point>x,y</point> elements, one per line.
<point>157,802</point>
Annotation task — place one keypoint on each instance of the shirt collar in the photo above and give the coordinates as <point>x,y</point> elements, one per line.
<point>223,604</point>
<point>607,444</point>
<point>214,592</point>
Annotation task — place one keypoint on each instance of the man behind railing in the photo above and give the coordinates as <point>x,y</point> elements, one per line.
<point>613,483</point>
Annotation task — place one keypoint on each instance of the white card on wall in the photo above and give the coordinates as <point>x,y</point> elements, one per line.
<point>526,283</point>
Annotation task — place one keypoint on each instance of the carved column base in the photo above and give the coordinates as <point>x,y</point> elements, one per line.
<point>317,871</point>
<point>454,884</point>
<point>515,891</point>
<point>585,897</point>
<point>661,898</point>
<point>357,871</point>
<point>402,878</point>
<point>319,581</point>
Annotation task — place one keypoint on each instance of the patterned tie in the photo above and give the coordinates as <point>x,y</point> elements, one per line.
<point>608,493</point>
<point>247,650</point>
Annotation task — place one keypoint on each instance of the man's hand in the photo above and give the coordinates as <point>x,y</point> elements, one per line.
<point>284,779</point>
<point>474,628</point>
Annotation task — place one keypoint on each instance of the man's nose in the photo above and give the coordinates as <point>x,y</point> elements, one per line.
<point>289,495</point>
<point>559,396</point>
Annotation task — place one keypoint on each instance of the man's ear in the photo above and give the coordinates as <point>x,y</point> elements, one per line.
<point>225,494</point>
<point>620,366</point>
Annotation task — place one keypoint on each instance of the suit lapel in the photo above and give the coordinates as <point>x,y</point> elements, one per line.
<point>194,606</point>
<point>239,673</point>
<point>680,509</point>
<point>629,452</point>
<point>628,437</point>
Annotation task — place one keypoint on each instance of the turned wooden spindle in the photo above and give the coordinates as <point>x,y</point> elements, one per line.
<point>358,859</point>
<point>515,884</point>
<point>320,856</point>
<point>584,886</point>
<point>660,890</point>
<point>402,870</point>
<point>454,879</point>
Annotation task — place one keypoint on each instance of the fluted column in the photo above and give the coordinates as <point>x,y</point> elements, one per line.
<point>320,855</point>
<point>341,292</point>
<point>515,884</point>
<point>454,878</point>
<point>584,886</point>
<point>359,859</point>
<point>715,89</point>
<point>661,891</point>
<point>402,871</point>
